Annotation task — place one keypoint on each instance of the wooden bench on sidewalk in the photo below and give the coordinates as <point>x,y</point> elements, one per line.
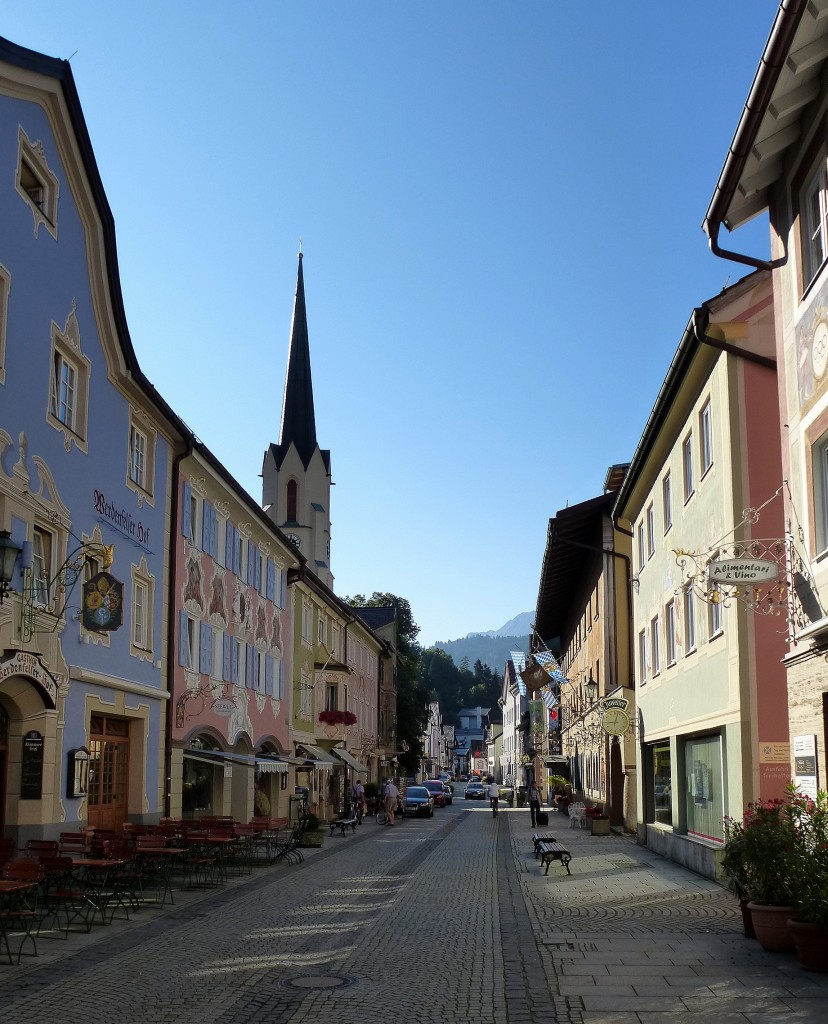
<point>541,837</point>
<point>343,824</point>
<point>549,851</point>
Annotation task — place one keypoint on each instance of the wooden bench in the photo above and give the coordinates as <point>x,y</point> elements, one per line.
<point>549,851</point>
<point>342,824</point>
<point>539,837</point>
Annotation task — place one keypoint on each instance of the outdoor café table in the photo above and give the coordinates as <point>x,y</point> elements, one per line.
<point>165,858</point>
<point>225,845</point>
<point>17,913</point>
<point>95,874</point>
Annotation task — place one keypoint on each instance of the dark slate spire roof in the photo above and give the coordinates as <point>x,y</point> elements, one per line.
<point>298,420</point>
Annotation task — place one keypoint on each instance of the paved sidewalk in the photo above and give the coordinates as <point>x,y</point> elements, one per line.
<point>631,938</point>
<point>447,920</point>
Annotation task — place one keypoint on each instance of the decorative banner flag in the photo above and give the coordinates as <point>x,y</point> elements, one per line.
<point>519,661</point>
<point>534,677</point>
<point>548,697</point>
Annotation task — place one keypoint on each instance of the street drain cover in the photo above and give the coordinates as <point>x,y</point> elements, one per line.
<point>316,981</point>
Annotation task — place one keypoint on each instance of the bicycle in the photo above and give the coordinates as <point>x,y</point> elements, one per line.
<point>493,800</point>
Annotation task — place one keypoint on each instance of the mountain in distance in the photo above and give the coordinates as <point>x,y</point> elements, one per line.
<point>518,626</point>
<point>491,647</point>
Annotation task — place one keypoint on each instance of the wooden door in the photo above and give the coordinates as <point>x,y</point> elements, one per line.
<point>108,772</point>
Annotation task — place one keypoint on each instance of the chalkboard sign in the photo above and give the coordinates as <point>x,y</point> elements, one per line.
<point>31,769</point>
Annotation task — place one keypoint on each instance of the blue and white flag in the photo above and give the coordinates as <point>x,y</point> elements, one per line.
<point>550,666</point>
<point>549,698</point>
<point>519,661</point>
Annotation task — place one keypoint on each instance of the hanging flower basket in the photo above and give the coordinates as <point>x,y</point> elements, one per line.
<point>337,717</point>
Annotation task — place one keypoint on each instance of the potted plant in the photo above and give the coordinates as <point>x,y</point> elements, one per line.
<point>734,872</point>
<point>599,822</point>
<point>762,852</point>
<point>809,921</point>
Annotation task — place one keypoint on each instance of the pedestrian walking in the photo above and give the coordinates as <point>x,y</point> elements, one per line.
<point>493,791</point>
<point>534,803</point>
<point>390,797</point>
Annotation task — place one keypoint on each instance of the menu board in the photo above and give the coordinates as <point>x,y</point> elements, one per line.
<point>31,767</point>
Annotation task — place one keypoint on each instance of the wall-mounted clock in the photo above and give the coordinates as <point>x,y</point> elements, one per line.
<point>294,540</point>
<point>615,721</point>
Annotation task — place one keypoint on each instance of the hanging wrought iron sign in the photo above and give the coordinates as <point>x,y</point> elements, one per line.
<point>742,570</point>
<point>103,603</point>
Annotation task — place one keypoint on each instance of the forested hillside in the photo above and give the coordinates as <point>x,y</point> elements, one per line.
<point>490,650</point>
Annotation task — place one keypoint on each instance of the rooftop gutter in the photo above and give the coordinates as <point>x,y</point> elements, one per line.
<point>785,26</point>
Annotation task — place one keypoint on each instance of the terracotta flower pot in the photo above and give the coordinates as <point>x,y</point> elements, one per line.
<point>771,927</point>
<point>747,920</point>
<point>811,942</point>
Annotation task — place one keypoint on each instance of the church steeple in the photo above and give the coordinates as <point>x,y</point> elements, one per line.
<point>298,421</point>
<point>296,472</point>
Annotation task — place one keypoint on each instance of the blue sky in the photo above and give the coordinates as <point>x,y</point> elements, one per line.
<point>500,208</point>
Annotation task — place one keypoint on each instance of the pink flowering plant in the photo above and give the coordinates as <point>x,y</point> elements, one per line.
<point>337,717</point>
<point>810,896</point>
<point>778,854</point>
<point>760,851</point>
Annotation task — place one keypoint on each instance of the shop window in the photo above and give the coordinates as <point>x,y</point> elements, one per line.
<point>703,787</point>
<point>662,784</point>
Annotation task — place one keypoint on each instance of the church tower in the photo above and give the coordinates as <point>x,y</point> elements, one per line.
<point>296,472</point>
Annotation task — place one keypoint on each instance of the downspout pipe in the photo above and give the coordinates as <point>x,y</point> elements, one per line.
<point>785,26</point>
<point>171,618</point>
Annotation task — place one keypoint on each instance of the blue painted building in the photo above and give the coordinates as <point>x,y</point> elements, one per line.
<point>87,454</point>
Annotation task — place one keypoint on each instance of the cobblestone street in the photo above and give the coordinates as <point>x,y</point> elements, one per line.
<point>445,920</point>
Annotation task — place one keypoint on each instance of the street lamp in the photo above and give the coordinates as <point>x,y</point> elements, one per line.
<point>591,689</point>
<point>8,558</point>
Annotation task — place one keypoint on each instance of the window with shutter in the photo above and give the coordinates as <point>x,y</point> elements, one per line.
<point>269,675</point>
<point>280,692</point>
<point>271,580</point>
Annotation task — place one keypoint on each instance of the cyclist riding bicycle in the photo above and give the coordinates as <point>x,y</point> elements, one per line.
<point>358,800</point>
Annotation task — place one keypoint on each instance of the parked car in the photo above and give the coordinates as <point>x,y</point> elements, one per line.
<point>475,791</point>
<point>435,787</point>
<point>445,777</point>
<point>449,791</point>
<point>418,802</point>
